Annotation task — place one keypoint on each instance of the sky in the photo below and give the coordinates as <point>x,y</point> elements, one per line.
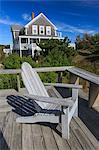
<point>71,17</point>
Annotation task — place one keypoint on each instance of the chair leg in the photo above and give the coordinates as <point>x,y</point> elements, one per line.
<point>75,97</point>
<point>76,112</point>
<point>65,124</point>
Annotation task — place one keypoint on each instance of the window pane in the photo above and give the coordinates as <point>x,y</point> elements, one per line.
<point>41,30</point>
<point>48,30</point>
<point>34,29</point>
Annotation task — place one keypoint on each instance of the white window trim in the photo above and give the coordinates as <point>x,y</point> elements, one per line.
<point>14,34</point>
<point>55,33</point>
<point>36,28</point>
<point>48,28</point>
<point>40,30</point>
<point>26,31</point>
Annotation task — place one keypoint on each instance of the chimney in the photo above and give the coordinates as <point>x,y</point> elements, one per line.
<point>32,15</point>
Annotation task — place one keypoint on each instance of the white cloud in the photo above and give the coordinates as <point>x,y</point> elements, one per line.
<point>26,17</point>
<point>7,21</point>
<point>69,28</point>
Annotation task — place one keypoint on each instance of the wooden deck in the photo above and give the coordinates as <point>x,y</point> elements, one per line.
<point>14,136</point>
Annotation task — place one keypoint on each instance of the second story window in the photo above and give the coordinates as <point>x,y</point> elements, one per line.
<point>34,30</point>
<point>41,30</point>
<point>48,30</point>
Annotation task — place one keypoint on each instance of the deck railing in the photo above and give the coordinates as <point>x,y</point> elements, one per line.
<point>75,74</point>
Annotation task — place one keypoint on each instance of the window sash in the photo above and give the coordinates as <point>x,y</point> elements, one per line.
<point>41,28</point>
<point>48,30</point>
<point>34,29</point>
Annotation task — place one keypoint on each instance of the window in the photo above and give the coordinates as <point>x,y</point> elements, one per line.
<point>41,30</point>
<point>32,40</point>
<point>24,40</point>
<point>34,30</point>
<point>48,30</point>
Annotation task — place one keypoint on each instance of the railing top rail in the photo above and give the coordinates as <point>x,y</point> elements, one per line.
<point>51,69</point>
<point>91,77</point>
<point>41,69</point>
<point>10,71</point>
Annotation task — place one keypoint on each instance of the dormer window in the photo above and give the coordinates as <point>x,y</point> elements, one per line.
<point>48,30</point>
<point>41,30</point>
<point>34,30</point>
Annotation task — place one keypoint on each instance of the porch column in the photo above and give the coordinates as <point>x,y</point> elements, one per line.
<point>28,41</point>
<point>33,48</point>
<point>39,40</point>
<point>20,46</point>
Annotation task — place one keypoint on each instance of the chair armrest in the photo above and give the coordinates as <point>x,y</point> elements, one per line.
<point>52,100</point>
<point>74,86</point>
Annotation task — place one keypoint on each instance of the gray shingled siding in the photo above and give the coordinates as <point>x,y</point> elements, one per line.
<point>16,27</point>
<point>29,31</point>
<point>44,22</point>
<point>16,33</point>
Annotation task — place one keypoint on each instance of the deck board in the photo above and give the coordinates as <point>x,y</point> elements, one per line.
<point>38,138</point>
<point>81,137</point>
<point>49,138</point>
<point>27,137</point>
<point>14,136</point>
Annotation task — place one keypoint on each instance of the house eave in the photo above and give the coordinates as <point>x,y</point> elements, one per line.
<point>41,37</point>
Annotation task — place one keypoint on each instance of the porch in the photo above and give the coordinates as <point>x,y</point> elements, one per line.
<point>27,42</point>
<point>14,136</point>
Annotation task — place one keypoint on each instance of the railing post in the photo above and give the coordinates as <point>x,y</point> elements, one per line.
<point>18,83</point>
<point>59,78</point>
<point>93,95</point>
<point>85,86</point>
<point>74,79</point>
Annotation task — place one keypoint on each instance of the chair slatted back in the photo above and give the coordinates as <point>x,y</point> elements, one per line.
<point>33,82</point>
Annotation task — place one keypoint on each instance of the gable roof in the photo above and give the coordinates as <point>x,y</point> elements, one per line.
<point>41,14</point>
<point>16,27</point>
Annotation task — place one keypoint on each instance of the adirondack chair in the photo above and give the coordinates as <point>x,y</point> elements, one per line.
<point>37,91</point>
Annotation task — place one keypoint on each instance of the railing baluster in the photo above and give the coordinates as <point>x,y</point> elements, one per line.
<point>59,79</point>
<point>18,83</point>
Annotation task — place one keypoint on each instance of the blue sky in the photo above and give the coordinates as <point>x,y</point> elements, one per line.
<point>72,17</point>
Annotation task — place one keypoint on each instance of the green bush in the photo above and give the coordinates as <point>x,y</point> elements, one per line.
<point>56,58</point>
<point>8,82</point>
<point>13,61</point>
<point>29,60</point>
<point>48,77</point>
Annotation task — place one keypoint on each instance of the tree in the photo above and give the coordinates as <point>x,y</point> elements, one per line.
<point>61,45</point>
<point>56,57</point>
<point>88,46</point>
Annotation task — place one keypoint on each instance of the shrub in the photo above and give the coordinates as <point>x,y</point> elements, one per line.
<point>48,77</point>
<point>29,60</point>
<point>13,61</point>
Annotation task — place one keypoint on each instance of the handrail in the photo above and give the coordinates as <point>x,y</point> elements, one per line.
<point>86,75</point>
<point>74,70</point>
<point>41,69</point>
